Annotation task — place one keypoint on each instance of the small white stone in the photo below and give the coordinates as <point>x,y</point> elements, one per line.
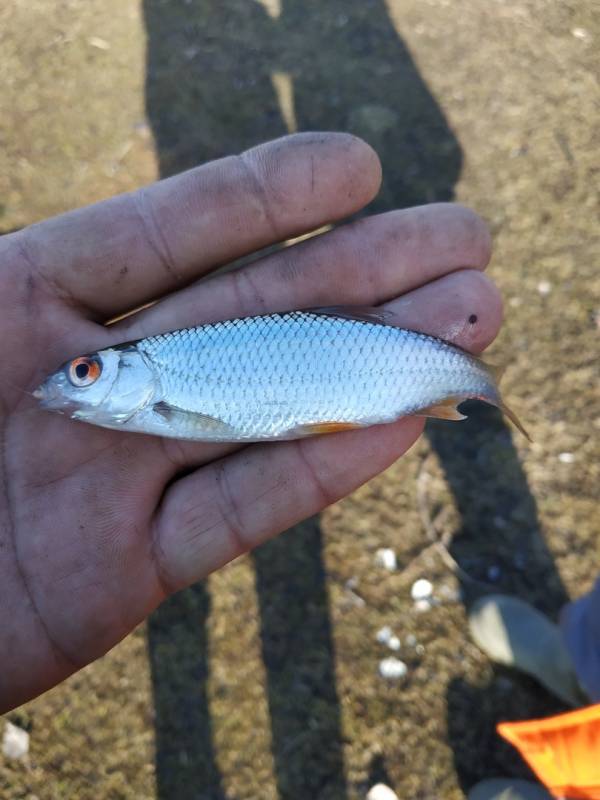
<point>449,593</point>
<point>15,742</point>
<point>392,668</point>
<point>580,33</point>
<point>566,458</point>
<point>421,589</point>
<point>385,557</point>
<point>544,287</point>
<point>98,43</point>
<point>384,635</point>
<point>356,600</point>
<point>411,640</point>
<point>423,605</point>
<point>381,792</point>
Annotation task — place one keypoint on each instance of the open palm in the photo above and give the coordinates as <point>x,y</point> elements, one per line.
<point>97,527</point>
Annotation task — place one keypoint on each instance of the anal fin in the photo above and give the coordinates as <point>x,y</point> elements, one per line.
<point>318,428</point>
<point>445,409</point>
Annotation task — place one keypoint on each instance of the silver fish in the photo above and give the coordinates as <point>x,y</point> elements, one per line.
<point>279,376</point>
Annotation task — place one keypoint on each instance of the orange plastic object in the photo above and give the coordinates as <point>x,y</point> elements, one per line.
<point>563,751</point>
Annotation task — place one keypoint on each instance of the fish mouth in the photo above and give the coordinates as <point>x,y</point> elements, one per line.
<point>51,398</point>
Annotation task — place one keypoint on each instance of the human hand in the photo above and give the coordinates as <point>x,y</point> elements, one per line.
<point>97,527</point>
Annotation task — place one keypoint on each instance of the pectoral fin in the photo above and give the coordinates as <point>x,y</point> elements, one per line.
<point>194,421</point>
<point>445,409</point>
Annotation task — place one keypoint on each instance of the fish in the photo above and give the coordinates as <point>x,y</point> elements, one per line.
<point>279,376</point>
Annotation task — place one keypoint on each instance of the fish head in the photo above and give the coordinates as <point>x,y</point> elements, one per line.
<point>106,387</point>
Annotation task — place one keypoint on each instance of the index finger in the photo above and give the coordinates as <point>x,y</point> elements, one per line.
<point>130,249</point>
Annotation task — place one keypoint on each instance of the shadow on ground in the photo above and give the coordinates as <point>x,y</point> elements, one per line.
<point>177,642</point>
<point>500,545</point>
<point>222,77</point>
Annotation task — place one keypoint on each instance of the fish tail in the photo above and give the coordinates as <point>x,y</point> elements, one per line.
<point>497,371</point>
<point>508,412</point>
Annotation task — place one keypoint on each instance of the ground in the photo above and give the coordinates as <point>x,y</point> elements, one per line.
<point>264,682</point>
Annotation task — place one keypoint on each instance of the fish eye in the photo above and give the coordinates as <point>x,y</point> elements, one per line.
<point>84,371</point>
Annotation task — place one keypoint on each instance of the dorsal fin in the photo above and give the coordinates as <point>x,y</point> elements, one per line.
<point>376,316</point>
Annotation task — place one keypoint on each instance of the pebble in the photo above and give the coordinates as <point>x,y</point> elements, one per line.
<point>355,598</point>
<point>411,640</point>
<point>566,458</point>
<point>384,634</point>
<point>381,792</point>
<point>97,42</point>
<point>392,668</point>
<point>142,129</point>
<point>15,742</point>
<point>423,605</point>
<point>421,589</point>
<point>449,593</point>
<point>386,557</point>
<point>580,33</point>
<point>544,287</point>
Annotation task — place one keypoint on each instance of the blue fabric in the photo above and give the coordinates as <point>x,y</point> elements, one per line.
<point>580,625</point>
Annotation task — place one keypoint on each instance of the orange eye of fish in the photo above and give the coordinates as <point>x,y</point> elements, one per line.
<point>84,371</point>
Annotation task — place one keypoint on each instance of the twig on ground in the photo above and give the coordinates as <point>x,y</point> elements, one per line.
<point>439,540</point>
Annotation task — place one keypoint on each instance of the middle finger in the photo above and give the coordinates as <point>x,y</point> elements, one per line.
<point>366,263</point>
